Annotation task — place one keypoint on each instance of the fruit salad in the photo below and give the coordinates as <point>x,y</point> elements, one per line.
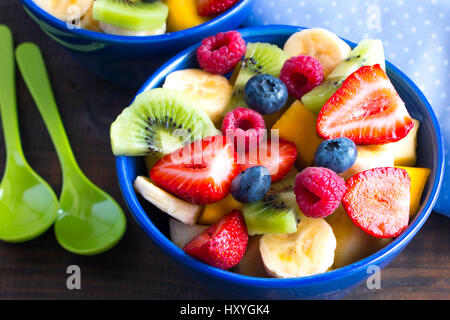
<point>277,162</point>
<point>135,17</point>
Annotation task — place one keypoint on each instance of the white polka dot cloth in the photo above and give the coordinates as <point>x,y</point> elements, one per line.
<point>415,33</point>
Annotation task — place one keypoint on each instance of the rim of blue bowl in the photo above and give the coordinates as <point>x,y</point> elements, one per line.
<point>99,36</point>
<point>178,254</point>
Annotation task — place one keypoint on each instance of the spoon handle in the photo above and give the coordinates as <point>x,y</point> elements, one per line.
<point>8,102</point>
<point>32,66</point>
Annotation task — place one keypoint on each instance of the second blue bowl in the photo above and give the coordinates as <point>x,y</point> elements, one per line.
<point>130,60</point>
<point>332,284</point>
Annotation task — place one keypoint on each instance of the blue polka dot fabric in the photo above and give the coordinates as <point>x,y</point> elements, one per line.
<point>415,33</point>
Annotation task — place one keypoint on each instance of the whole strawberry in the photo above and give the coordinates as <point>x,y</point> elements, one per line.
<point>222,245</point>
<point>207,8</point>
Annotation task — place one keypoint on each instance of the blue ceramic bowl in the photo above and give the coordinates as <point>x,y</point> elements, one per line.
<point>130,60</point>
<point>333,284</point>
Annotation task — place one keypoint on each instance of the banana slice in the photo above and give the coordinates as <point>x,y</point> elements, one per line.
<point>320,43</point>
<point>213,92</point>
<point>181,234</point>
<point>110,29</point>
<point>181,210</point>
<point>66,10</point>
<point>308,251</point>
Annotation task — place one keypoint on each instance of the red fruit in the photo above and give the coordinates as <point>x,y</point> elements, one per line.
<point>366,109</point>
<point>377,200</point>
<point>245,127</point>
<point>199,173</point>
<point>279,161</point>
<point>219,54</point>
<point>318,191</point>
<point>222,245</point>
<point>208,8</point>
<point>301,74</point>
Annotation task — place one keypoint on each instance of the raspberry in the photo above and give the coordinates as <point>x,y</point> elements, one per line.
<point>318,191</point>
<point>244,125</point>
<point>219,54</point>
<point>301,74</point>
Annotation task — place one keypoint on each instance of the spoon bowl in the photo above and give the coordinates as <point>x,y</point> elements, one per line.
<point>28,205</point>
<point>89,221</point>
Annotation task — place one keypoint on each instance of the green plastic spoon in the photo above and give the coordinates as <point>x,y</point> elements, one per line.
<point>28,205</point>
<point>89,221</point>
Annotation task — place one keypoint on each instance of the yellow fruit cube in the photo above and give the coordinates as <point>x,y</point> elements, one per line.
<point>369,157</point>
<point>271,119</point>
<point>419,177</point>
<point>183,15</point>
<point>215,211</point>
<point>405,150</point>
<point>352,243</point>
<point>298,125</point>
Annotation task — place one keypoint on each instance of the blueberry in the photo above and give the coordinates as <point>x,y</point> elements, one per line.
<point>265,94</point>
<point>251,184</point>
<point>338,154</point>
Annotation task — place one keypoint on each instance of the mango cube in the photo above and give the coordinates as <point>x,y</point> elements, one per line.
<point>419,177</point>
<point>298,125</point>
<point>215,211</point>
<point>183,15</point>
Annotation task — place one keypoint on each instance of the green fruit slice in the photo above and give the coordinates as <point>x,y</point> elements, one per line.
<point>132,15</point>
<point>368,53</point>
<point>275,213</point>
<point>158,122</point>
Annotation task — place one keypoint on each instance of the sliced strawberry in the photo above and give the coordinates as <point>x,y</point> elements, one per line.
<point>199,173</point>
<point>222,245</point>
<point>366,109</point>
<point>279,161</point>
<point>208,8</point>
<point>377,200</point>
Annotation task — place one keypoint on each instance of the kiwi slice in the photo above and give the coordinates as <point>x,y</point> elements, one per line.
<point>275,213</point>
<point>135,15</point>
<point>259,58</point>
<point>369,52</point>
<point>158,122</point>
<point>317,97</point>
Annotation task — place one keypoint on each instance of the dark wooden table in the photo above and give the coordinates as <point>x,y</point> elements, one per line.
<point>135,268</point>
